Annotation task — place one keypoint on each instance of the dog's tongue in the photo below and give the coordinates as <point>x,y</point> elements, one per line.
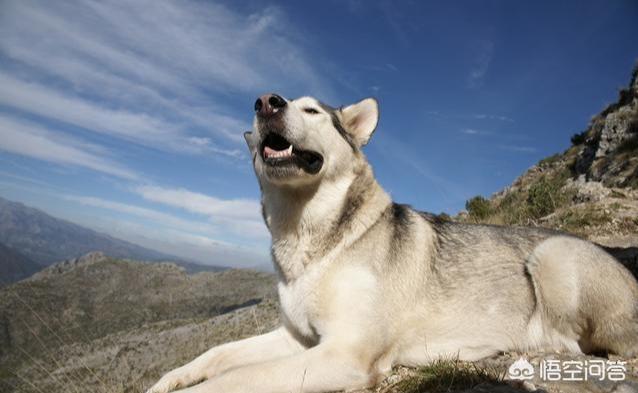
<point>269,152</point>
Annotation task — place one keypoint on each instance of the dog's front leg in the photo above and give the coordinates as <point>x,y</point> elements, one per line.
<point>319,369</point>
<point>217,360</point>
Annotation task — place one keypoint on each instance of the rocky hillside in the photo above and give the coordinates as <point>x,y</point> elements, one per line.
<point>591,189</point>
<point>116,324</point>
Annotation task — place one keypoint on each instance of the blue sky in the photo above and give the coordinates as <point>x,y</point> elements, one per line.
<point>127,116</point>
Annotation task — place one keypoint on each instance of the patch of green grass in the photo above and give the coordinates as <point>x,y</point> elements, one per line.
<point>444,217</point>
<point>548,161</point>
<point>617,206</point>
<point>512,209</point>
<point>449,376</point>
<point>478,208</point>
<point>543,198</point>
<point>523,207</point>
<point>577,220</point>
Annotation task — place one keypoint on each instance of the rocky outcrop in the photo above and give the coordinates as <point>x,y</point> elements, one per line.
<point>587,191</point>
<point>69,264</point>
<point>611,142</point>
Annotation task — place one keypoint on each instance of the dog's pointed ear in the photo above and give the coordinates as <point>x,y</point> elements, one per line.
<point>248,136</point>
<point>360,120</point>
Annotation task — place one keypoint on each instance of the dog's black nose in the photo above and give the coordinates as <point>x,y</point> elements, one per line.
<point>269,104</point>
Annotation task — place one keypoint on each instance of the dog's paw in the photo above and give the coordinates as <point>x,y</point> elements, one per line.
<point>172,380</point>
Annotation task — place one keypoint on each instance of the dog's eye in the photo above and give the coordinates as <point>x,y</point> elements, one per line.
<point>312,111</point>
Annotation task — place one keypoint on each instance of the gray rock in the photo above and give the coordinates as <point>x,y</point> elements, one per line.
<point>587,191</point>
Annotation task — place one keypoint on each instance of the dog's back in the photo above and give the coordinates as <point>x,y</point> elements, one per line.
<point>511,288</point>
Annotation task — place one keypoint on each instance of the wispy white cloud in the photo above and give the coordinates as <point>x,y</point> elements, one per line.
<point>181,232</point>
<point>200,248</point>
<point>473,131</point>
<point>30,180</point>
<point>485,116</point>
<point>396,20</point>
<point>466,116</point>
<point>483,58</point>
<point>124,124</point>
<point>520,149</point>
<point>199,203</point>
<point>189,239</point>
<point>157,217</point>
<point>182,46</point>
<point>241,216</point>
<point>158,76</point>
<point>30,140</point>
<point>134,74</point>
<point>386,67</point>
<point>397,151</point>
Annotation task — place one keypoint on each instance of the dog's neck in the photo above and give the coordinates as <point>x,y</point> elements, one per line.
<point>308,223</point>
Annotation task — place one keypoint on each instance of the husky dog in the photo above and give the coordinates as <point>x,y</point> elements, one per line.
<point>365,283</point>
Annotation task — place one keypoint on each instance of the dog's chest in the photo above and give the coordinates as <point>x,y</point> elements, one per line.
<point>299,301</point>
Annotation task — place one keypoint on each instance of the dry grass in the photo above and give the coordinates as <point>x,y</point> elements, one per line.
<point>525,205</point>
<point>449,376</point>
<point>579,221</point>
<point>114,326</point>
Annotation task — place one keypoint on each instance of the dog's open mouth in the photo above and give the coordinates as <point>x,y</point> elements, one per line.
<point>277,151</point>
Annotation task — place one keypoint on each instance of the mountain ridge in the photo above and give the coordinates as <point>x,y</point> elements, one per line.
<point>46,239</point>
<point>35,239</point>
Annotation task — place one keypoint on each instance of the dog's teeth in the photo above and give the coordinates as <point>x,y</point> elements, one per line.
<point>272,153</point>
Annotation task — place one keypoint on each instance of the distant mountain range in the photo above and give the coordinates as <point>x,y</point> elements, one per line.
<point>30,239</point>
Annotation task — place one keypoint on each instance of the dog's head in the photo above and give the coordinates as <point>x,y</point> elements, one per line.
<point>298,142</point>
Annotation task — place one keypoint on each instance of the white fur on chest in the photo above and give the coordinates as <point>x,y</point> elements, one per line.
<point>299,300</point>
